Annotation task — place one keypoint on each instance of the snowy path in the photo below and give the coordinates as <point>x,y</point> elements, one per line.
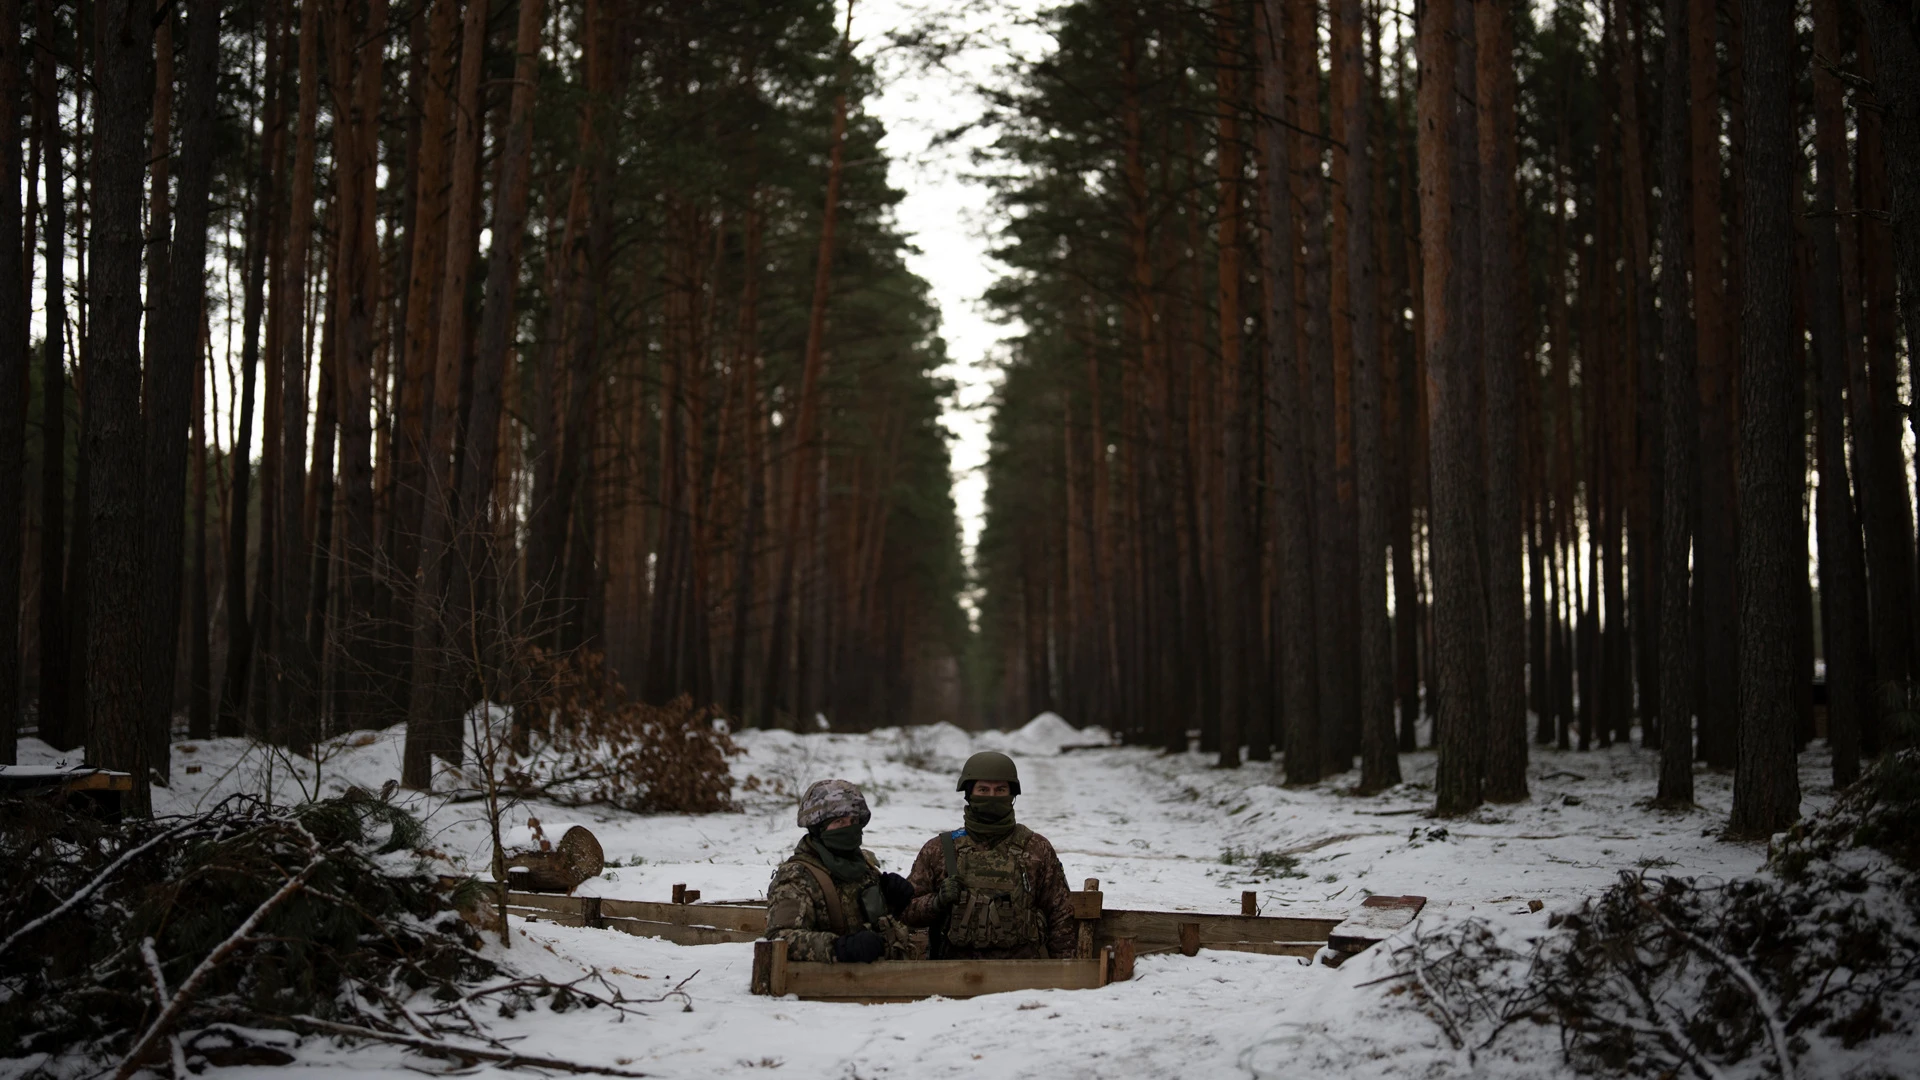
<point>1153,828</point>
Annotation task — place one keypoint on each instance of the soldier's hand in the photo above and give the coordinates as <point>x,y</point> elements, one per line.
<point>949,893</point>
<point>898,891</point>
<point>863,947</point>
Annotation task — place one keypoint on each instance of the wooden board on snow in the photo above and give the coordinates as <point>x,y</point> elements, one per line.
<point>912,980</point>
<point>1156,932</point>
<point>1375,920</point>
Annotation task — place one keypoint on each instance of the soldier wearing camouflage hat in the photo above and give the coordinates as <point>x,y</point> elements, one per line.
<point>829,901</point>
<point>993,890</point>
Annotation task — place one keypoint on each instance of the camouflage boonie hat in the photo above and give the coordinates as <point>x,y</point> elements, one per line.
<point>829,799</point>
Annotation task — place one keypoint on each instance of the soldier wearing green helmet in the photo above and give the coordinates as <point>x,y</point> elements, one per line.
<point>993,890</point>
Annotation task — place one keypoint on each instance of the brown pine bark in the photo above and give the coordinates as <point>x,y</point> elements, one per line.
<point>1234,576</point>
<point>1766,785</point>
<point>1317,361</point>
<point>358,38</point>
<point>172,360</point>
<point>242,627</point>
<point>13,375</point>
<point>293,684</point>
<point>1379,762</point>
<point>801,482</point>
<point>1843,571</point>
<point>478,561</point>
<point>1458,606</point>
<point>426,255</point>
<point>1679,407</point>
<point>116,564</point>
<point>1506,724</point>
<point>1894,33</point>
<point>1715,544</point>
<point>441,658</point>
<point>60,725</point>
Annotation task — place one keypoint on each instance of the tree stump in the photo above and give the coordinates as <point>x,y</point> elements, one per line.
<point>558,867</point>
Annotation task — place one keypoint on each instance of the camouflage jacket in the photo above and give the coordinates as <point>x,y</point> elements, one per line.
<point>797,911</point>
<point>1050,899</point>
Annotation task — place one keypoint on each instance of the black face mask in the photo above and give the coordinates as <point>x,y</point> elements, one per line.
<point>989,817</point>
<point>841,841</point>
<point>839,851</point>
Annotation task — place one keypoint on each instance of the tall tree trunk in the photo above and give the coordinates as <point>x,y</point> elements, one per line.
<point>116,735</point>
<point>171,364</point>
<point>1379,761</point>
<point>1895,33</point>
<point>1715,536</point>
<point>358,51</point>
<point>1506,762</point>
<point>1317,359</point>
<point>295,691</point>
<point>199,625</point>
<point>1458,603</point>
<point>13,375</point>
<point>1679,407</point>
<point>478,562</point>
<point>1843,573</point>
<point>440,668</point>
<point>242,628</point>
<point>1766,785</point>
<point>1235,578</point>
<point>779,645</point>
<point>60,726</point>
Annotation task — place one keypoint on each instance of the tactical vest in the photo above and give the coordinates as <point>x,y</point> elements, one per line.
<point>995,909</point>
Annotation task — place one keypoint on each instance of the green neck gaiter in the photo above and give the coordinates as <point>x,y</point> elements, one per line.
<point>839,851</point>
<point>990,817</point>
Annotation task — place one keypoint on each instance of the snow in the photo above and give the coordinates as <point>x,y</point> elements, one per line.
<point>1159,831</point>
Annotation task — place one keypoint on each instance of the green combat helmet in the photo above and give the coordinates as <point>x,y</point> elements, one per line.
<point>989,765</point>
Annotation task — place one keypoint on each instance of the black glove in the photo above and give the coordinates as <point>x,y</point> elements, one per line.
<point>949,893</point>
<point>863,947</point>
<point>898,890</point>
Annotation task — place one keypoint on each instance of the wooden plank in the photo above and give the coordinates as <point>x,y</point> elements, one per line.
<point>1189,939</point>
<point>1375,920</point>
<point>762,978</point>
<point>559,918</point>
<point>778,970</point>
<point>1122,960</point>
<point>1249,903</point>
<point>545,902</point>
<point>678,933</point>
<point>1153,928</point>
<point>723,916</point>
<point>908,980</point>
<point>1308,949</point>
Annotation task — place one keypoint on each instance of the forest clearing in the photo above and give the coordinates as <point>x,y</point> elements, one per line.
<point>1163,832</point>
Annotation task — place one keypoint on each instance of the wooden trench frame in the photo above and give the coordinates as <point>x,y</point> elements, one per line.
<point>1109,940</point>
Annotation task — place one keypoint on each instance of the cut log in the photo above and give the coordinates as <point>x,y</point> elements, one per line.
<point>1189,939</point>
<point>558,868</point>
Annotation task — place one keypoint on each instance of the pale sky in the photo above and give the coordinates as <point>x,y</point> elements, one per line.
<point>945,214</point>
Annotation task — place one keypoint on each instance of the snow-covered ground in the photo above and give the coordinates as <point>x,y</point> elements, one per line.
<point>1164,832</point>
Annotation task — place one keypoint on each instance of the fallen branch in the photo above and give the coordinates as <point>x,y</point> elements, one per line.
<point>159,980</point>
<point>99,880</point>
<point>436,1048</point>
<point>168,1015</point>
<point>1440,1003</point>
<point>1776,1031</point>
